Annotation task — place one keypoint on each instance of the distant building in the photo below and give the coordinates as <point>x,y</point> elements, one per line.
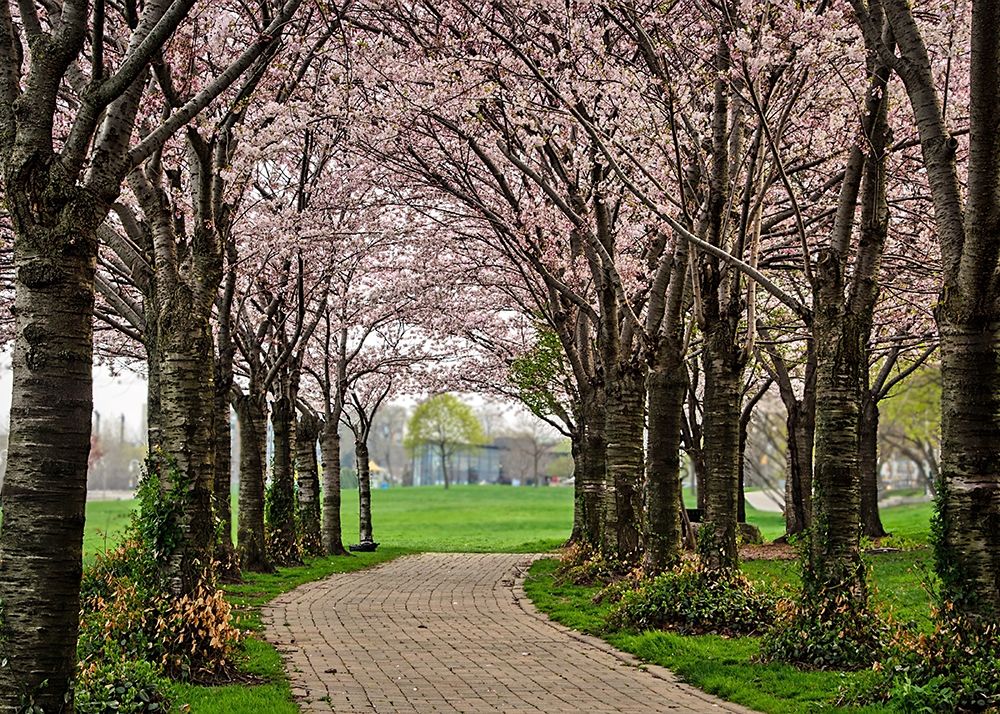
<point>472,464</point>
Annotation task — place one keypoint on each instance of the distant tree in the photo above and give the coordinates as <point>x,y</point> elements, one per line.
<point>447,424</point>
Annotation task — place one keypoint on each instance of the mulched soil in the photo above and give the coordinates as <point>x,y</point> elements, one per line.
<point>768,551</point>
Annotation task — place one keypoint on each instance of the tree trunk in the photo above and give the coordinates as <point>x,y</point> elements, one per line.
<point>741,495</point>
<point>333,542</point>
<point>835,560</point>
<point>622,507</point>
<point>798,468</point>
<point>968,547</point>
<point>226,558</point>
<point>698,476</point>
<point>871,522</point>
<point>251,535</point>
<point>308,480</point>
<point>44,491</point>
<point>154,429</point>
<point>444,464</point>
<point>282,536</point>
<point>223,453</point>
<point>364,491</point>
<point>667,387</point>
<point>723,380</point>
<point>187,407</point>
<point>589,452</point>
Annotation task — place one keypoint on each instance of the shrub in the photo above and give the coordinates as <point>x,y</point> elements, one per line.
<point>197,635</point>
<point>191,637</point>
<point>128,613</point>
<point>954,668</point>
<point>692,599</point>
<point>582,565</point>
<point>843,634</point>
<point>121,686</point>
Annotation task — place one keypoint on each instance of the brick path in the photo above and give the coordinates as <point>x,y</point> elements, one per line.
<point>455,633</point>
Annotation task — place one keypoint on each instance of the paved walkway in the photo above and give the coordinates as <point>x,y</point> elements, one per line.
<point>455,633</point>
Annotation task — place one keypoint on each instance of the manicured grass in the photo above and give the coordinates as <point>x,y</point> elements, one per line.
<point>729,667</point>
<point>105,522</point>
<point>724,667</point>
<point>474,519</point>
<point>260,658</point>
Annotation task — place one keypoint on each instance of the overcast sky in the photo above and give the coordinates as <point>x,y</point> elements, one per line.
<point>114,395</point>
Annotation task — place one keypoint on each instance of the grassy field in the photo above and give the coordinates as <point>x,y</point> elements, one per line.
<point>105,522</point>
<point>429,518</point>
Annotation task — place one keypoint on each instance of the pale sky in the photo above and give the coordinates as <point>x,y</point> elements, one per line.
<point>114,395</point>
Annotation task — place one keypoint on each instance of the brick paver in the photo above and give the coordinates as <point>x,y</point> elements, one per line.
<point>455,633</point>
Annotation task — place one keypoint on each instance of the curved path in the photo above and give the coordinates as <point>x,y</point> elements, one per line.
<point>454,633</point>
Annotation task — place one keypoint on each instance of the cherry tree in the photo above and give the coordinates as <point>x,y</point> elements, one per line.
<point>70,107</point>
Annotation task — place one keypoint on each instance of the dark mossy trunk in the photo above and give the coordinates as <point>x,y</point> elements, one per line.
<point>445,471</point>
<point>333,540</point>
<point>154,428</point>
<point>222,492</point>
<point>871,520</point>
<point>968,543</point>
<point>835,560</point>
<point>698,476</point>
<point>723,384</point>
<point>251,534</point>
<point>594,456</point>
<point>589,453</point>
<point>307,477</point>
<point>283,542</point>
<point>798,467</point>
<point>361,458</point>
<point>625,464</point>
<point>663,530</point>
<point>45,487</point>
<point>187,414</point>
<point>741,495</point>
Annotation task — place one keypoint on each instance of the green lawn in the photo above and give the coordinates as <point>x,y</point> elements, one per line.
<point>105,522</point>
<point>429,518</point>
<point>466,518</point>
